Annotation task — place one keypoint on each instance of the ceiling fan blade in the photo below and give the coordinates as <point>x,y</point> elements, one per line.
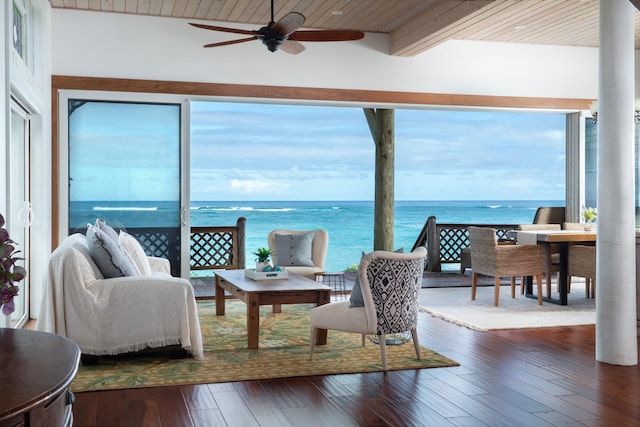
<point>223,29</point>
<point>292,47</point>
<point>248,39</point>
<point>289,23</point>
<point>326,35</point>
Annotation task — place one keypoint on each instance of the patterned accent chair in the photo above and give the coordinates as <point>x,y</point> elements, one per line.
<point>390,284</point>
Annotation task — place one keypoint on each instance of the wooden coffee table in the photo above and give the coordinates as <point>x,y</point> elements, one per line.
<point>254,293</point>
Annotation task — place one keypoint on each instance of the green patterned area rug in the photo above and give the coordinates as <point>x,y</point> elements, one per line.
<point>283,352</point>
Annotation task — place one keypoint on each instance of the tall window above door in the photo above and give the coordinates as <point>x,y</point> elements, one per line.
<point>20,30</point>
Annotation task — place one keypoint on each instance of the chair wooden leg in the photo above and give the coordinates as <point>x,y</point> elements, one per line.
<point>383,350</point>
<point>364,339</point>
<point>587,286</point>
<point>496,292</point>
<point>513,287</point>
<point>416,344</point>
<point>539,280</point>
<point>590,287</point>
<point>522,282</point>
<point>312,342</point>
<point>474,285</point>
<point>548,279</point>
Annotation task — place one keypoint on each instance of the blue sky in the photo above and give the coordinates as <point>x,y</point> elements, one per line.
<point>244,152</point>
<point>294,152</point>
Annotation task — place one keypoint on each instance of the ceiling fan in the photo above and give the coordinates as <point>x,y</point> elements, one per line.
<point>283,34</point>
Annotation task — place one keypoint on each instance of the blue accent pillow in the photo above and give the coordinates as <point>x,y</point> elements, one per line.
<point>356,299</point>
<point>101,225</point>
<point>108,256</point>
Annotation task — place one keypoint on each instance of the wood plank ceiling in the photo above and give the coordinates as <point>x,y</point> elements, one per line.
<point>414,26</point>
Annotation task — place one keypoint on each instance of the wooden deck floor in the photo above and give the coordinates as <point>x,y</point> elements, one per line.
<point>203,286</point>
<point>534,377</point>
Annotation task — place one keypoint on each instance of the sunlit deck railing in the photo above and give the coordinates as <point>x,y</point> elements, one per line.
<point>445,241</point>
<point>218,247</point>
<point>214,247</point>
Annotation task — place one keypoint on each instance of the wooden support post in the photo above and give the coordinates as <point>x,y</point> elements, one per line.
<point>241,236</point>
<point>381,125</point>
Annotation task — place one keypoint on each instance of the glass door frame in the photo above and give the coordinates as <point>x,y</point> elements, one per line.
<point>19,211</point>
<point>63,157</point>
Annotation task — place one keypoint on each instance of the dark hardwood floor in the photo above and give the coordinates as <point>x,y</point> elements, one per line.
<point>533,377</point>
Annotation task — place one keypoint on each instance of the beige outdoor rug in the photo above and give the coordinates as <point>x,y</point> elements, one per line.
<point>283,352</point>
<point>454,305</point>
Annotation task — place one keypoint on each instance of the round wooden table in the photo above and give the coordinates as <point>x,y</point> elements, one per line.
<point>36,369</point>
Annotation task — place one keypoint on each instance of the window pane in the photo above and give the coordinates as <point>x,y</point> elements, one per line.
<point>124,167</point>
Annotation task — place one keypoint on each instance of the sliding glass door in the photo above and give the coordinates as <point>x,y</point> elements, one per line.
<point>124,166</point>
<point>19,214</point>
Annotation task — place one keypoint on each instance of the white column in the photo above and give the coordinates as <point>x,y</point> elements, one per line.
<point>616,335</point>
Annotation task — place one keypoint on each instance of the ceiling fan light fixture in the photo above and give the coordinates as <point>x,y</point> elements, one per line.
<point>272,43</point>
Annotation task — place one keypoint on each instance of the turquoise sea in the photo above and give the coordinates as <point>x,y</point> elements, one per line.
<point>349,223</point>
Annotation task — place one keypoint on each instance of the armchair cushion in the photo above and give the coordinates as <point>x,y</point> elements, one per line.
<point>106,253</point>
<point>294,249</point>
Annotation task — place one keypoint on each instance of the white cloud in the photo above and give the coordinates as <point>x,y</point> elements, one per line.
<point>258,187</point>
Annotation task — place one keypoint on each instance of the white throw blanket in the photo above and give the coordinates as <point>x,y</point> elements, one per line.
<point>117,315</point>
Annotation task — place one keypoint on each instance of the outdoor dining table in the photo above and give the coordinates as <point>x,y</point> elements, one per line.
<point>561,238</point>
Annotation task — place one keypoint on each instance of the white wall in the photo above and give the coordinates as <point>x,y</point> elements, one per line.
<point>155,48</point>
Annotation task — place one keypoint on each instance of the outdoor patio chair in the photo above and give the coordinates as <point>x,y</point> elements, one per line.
<point>582,263</point>
<point>549,215</point>
<point>390,283</point>
<point>300,252</point>
<point>491,259</point>
<point>582,259</point>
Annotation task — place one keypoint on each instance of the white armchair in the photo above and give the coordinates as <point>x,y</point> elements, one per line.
<point>120,314</point>
<point>390,283</point>
<point>305,256</point>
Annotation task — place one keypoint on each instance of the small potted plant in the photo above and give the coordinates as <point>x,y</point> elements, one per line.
<point>10,273</point>
<point>262,258</point>
<point>590,216</point>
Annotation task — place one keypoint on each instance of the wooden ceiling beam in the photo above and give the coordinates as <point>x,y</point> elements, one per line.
<point>420,33</point>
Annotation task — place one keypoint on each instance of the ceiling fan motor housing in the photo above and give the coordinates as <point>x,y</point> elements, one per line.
<point>271,39</point>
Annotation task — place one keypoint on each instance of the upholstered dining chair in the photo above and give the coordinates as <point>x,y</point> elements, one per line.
<point>550,253</point>
<point>390,283</point>
<point>491,259</point>
<point>300,252</point>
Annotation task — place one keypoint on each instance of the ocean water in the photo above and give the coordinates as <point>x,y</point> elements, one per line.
<point>349,223</point>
